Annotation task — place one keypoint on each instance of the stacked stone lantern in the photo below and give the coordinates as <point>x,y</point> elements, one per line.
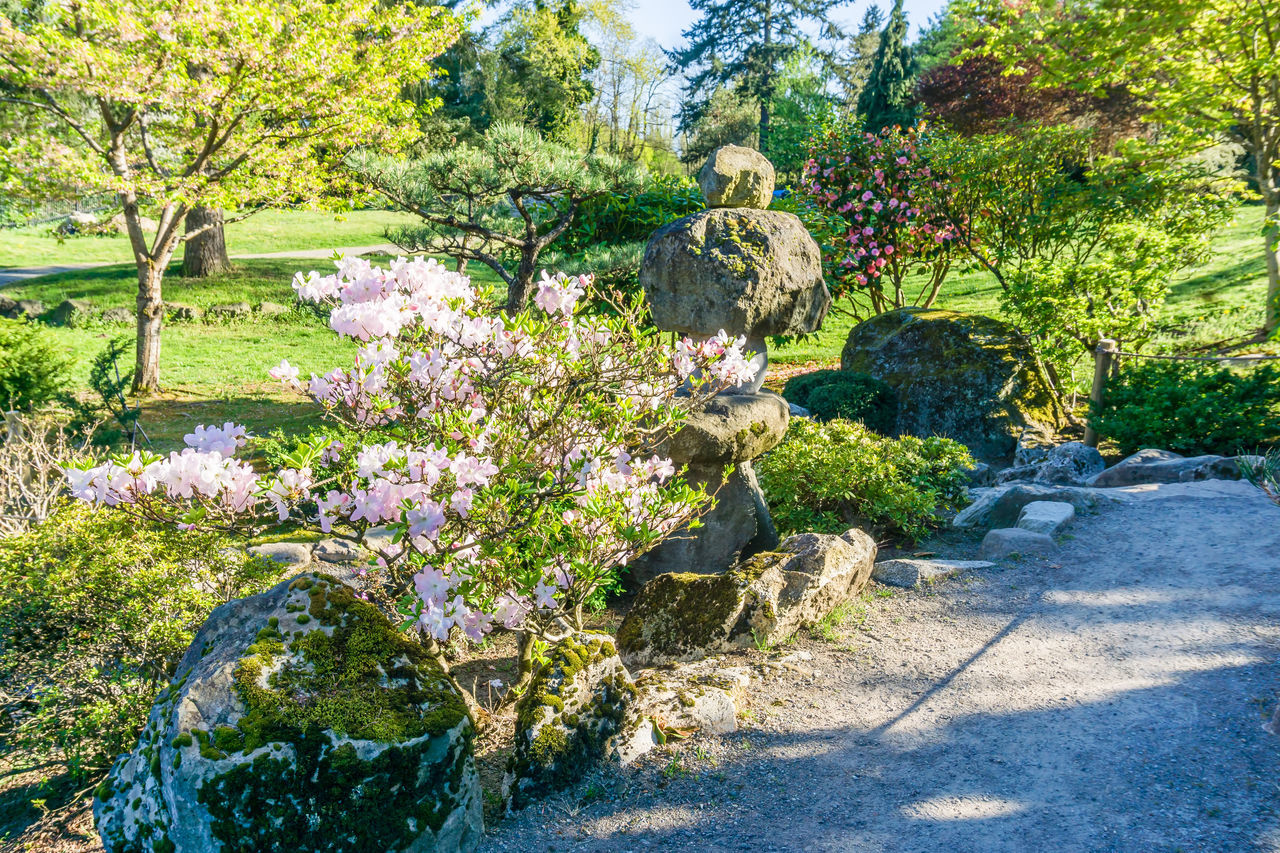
<point>749,271</point>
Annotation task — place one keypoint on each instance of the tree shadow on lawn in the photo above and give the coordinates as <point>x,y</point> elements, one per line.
<point>170,416</point>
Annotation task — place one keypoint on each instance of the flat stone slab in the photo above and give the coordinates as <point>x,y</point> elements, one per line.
<point>1011,541</point>
<point>913,573</point>
<point>295,554</point>
<point>1047,517</point>
<point>336,551</point>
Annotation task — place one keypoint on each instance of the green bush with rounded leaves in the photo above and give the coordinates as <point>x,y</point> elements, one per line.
<point>845,394</point>
<point>96,610</point>
<point>831,476</point>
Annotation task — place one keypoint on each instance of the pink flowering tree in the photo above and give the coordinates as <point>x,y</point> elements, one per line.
<point>512,464</point>
<point>891,247</point>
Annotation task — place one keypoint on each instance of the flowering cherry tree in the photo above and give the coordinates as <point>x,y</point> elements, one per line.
<point>880,185</point>
<point>514,460</point>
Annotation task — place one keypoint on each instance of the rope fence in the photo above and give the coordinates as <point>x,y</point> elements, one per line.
<point>1106,356</point>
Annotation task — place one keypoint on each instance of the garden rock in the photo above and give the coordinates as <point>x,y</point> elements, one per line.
<point>117,225</point>
<point>231,310</point>
<point>734,176</point>
<point>335,550</point>
<point>118,316</point>
<point>1000,506</point>
<point>731,428</point>
<point>763,600</point>
<point>72,312</point>
<point>967,377</point>
<point>1014,541</point>
<point>981,474</point>
<point>799,411</point>
<point>703,696</point>
<point>747,272</point>
<point>1047,517</point>
<point>1018,473</point>
<point>300,719</point>
<point>292,554</point>
<point>578,710</point>
<point>1033,447</point>
<point>737,527</point>
<point>913,573</point>
<point>1071,464</point>
<point>179,311</point>
<point>1164,466</point>
<point>21,309</point>
<point>272,309</point>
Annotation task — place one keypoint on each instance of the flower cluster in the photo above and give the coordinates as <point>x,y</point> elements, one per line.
<point>514,460</point>
<point>882,187</point>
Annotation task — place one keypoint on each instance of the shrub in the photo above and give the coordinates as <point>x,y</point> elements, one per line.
<point>830,476</point>
<point>96,610</point>
<point>622,217</point>
<point>1191,408</point>
<point>33,368</point>
<point>1265,474</point>
<point>844,394</point>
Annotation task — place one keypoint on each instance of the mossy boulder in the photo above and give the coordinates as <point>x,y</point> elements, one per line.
<point>300,720</point>
<point>749,272</point>
<point>963,376</point>
<point>579,710</point>
<point>763,600</point>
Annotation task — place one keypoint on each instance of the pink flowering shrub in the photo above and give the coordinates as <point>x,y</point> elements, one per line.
<point>515,459</point>
<point>881,186</point>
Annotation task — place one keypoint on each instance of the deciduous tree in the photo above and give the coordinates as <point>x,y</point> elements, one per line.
<point>208,103</point>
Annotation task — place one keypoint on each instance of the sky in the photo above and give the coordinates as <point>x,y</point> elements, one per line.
<point>665,20</point>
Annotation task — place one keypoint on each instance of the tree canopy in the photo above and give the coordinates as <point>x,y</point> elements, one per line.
<point>743,44</point>
<point>177,103</point>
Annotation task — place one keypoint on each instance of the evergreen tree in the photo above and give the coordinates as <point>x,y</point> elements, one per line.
<point>887,98</point>
<point>744,43</point>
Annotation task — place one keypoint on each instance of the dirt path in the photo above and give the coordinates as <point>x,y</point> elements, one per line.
<point>1109,699</point>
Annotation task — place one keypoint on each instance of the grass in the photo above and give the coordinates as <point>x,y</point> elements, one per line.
<point>269,231</point>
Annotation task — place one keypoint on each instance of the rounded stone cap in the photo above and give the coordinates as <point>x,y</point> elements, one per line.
<point>749,272</point>
<point>734,176</point>
<point>731,428</point>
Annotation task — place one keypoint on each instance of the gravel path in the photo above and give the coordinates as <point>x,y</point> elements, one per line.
<point>1108,699</point>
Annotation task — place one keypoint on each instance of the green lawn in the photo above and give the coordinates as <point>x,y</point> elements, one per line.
<point>269,231</point>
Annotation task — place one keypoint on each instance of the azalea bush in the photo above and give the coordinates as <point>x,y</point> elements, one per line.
<point>881,185</point>
<point>839,474</point>
<point>511,456</point>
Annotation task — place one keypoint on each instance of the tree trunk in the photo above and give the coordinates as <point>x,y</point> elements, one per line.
<point>146,375</point>
<point>766,93</point>
<point>519,291</point>
<point>206,253</point>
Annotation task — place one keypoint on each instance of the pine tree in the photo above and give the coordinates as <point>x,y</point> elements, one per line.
<point>744,43</point>
<point>887,98</point>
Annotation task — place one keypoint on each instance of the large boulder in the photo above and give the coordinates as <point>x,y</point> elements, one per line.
<point>578,710</point>
<point>963,376</point>
<point>1164,466</point>
<point>763,600</point>
<point>734,176</point>
<point>749,272</point>
<point>299,720</point>
<point>72,312</point>
<point>1071,464</point>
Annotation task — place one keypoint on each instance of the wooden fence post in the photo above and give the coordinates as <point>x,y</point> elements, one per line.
<point>1103,357</point>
